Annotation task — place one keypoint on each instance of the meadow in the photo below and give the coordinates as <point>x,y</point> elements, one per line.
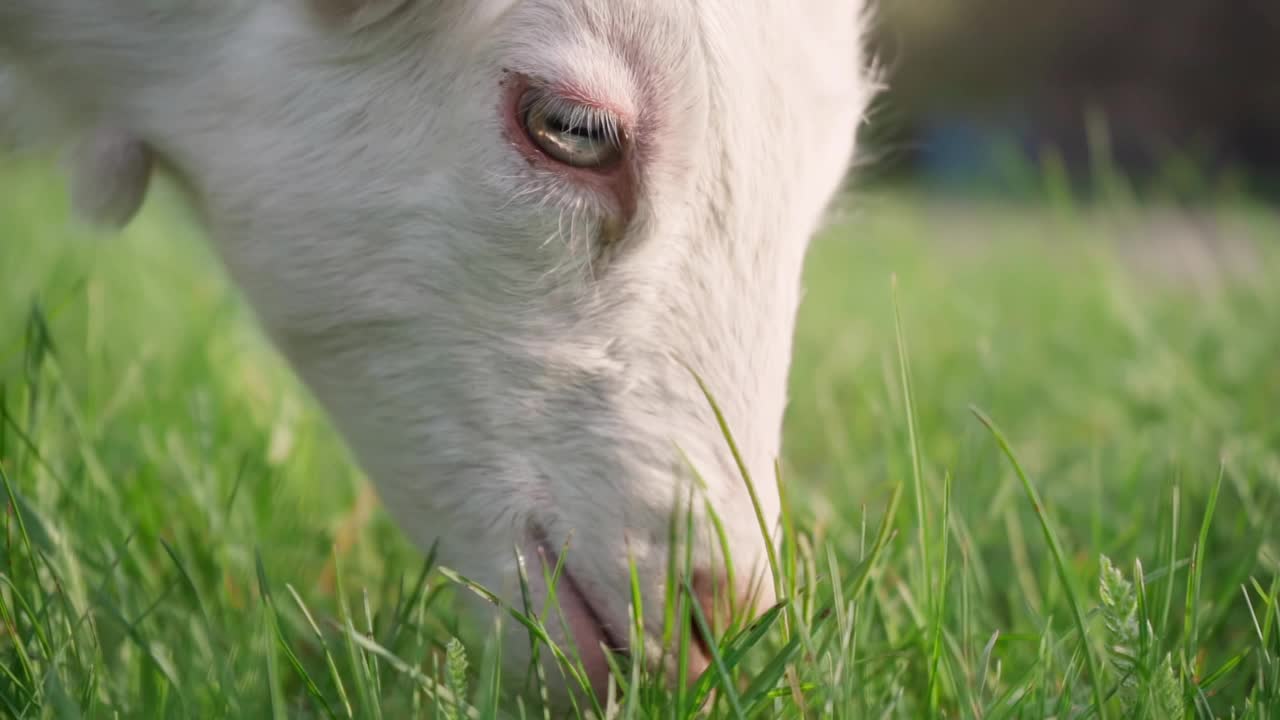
<point>1031,464</point>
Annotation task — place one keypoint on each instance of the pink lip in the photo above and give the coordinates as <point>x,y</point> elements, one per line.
<point>581,622</point>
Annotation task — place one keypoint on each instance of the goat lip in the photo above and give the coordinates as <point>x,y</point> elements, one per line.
<point>590,633</point>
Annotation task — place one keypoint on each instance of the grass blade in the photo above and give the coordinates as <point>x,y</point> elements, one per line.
<point>1191,616</point>
<point>1059,558</point>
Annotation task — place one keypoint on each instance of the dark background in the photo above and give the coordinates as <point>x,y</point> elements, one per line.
<point>1181,90</point>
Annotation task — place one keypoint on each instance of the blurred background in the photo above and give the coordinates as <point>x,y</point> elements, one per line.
<point>1183,95</point>
<point>1178,95</point>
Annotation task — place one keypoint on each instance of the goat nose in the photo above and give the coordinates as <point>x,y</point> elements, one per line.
<point>724,602</point>
<point>715,598</point>
<point>724,605</point>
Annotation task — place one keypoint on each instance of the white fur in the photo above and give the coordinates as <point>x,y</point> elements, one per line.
<point>493,362</point>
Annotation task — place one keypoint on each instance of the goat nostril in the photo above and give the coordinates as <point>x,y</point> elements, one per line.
<point>723,606</point>
<point>714,598</point>
<point>727,607</point>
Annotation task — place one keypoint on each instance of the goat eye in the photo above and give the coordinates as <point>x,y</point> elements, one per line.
<point>576,135</point>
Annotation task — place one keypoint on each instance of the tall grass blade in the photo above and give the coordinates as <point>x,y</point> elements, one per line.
<point>1059,558</point>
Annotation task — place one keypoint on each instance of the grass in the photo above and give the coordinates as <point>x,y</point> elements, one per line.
<point>1041,478</point>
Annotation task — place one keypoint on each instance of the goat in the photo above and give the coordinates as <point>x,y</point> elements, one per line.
<point>502,242</point>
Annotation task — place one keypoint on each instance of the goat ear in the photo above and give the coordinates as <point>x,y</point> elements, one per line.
<point>110,171</point>
<point>353,14</point>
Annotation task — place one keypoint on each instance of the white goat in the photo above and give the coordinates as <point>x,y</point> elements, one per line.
<point>494,239</point>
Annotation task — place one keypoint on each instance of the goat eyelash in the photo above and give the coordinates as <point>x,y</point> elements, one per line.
<point>594,122</point>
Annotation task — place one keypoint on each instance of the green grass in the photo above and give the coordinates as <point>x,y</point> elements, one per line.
<point>1040,474</point>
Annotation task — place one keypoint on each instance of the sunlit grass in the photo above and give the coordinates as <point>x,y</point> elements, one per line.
<point>1047,386</point>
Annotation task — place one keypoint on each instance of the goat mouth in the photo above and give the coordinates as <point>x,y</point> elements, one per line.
<point>576,615</point>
